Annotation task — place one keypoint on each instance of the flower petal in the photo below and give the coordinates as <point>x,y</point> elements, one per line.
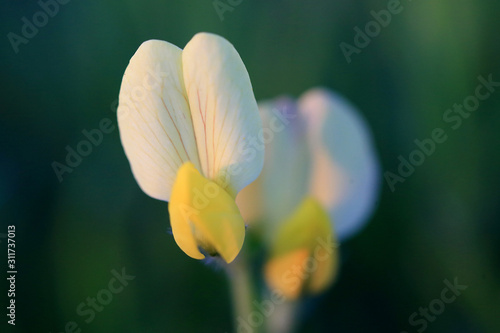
<point>284,180</point>
<point>280,276</point>
<point>154,119</point>
<point>303,257</point>
<point>203,215</point>
<point>224,111</point>
<point>346,169</point>
<point>326,257</point>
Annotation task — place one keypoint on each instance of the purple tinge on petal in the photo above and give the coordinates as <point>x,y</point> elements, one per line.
<point>286,109</point>
<point>285,177</point>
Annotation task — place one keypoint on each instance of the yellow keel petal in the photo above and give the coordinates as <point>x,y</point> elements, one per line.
<point>326,257</point>
<point>303,257</point>
<point>204,215</point>
<point>280,273</point>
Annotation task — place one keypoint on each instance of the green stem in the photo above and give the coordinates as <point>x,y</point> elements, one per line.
<point>284,318</point>
<point>242,292</point>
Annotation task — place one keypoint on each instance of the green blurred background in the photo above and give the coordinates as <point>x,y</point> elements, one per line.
<point>441,223</point>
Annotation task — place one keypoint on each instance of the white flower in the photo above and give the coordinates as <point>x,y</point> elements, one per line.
<point>320,182</point>
<point>185,118</point>
<point>323,149</point>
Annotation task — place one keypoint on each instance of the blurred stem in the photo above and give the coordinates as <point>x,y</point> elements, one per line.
<point>284,318</point>
<point>280,318</point>
<point>242,292</point>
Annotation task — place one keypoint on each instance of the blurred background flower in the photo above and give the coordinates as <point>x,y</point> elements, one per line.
<point>440,223</point>
<point>318,145</point>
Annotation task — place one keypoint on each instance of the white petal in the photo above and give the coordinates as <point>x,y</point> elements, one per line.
<point>284,180</point>
<point>224,111</point>
<point>346,174</point>
<point>154,119</point>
